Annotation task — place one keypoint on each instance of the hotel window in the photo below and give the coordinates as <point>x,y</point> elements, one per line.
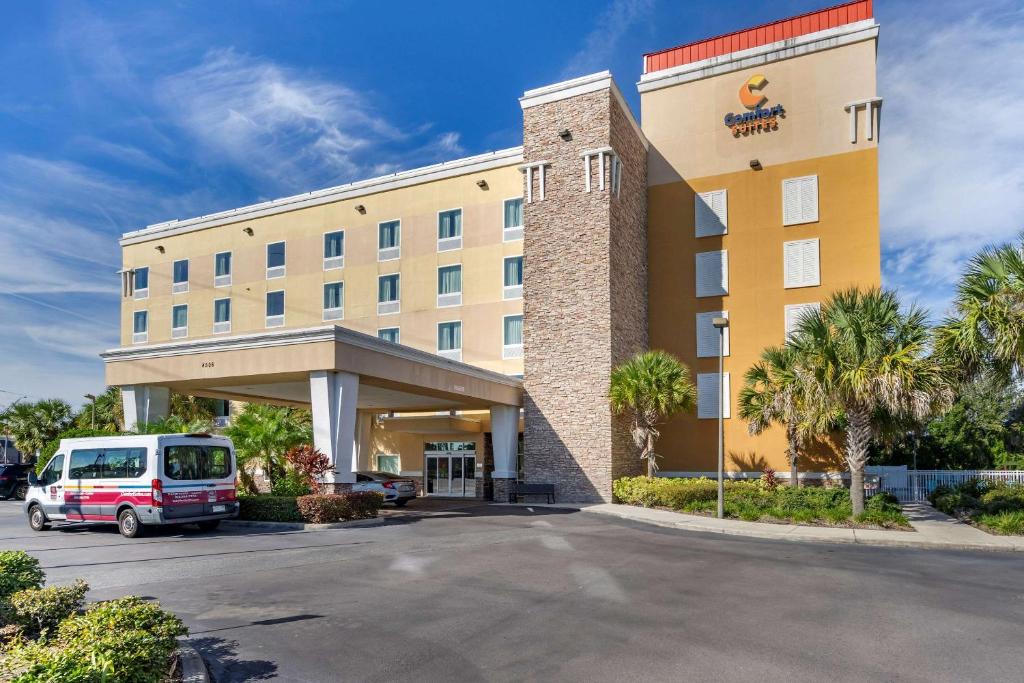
<point>513,229</point>
<point>275,260</point>
<point>179,283</point>
<point>796,312</point>
<point>449,230</point>
<point>388,463</point>
<point>140,327</point>
<point>707,395</point>
<point>800,200</point>
<point>222,269</point>
<point>389,240</point>
<point>707,335</point>
<point>513,278</point>
<point>388,294</point>
<point>275,308</point>
<point>711,213</point>
<point>449,286</point>
<point>390,334</point>
<point>141,283</point>
<point>334,250</point>
<point>334,301</point>
<point>179,321</point>
<point>713,273</point>
<point>800,263</point>
<point>221,315</point>
<point>449,340</point>
<point>512,337</point>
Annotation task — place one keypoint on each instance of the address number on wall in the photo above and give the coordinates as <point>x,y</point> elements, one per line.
<point>208,364</point>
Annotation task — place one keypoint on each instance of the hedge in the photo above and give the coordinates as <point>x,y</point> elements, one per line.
<point>315,508</point>
<point>995,505</point>
<point>18,571</point>
<point>40,610</point>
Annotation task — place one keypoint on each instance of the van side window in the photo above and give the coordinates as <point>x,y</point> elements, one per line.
<point>197,462</point>
<point>53,471</point>
<point>107,463</point>
<point>85,464</point>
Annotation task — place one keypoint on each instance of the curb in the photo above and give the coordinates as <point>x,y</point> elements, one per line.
<point>193,668</point>
<point>795,533</point>
<point>302,526</point>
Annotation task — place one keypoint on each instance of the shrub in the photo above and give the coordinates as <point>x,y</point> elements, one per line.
<point>310,465</point>
<point>18,571</point>
<point>678,494</point>
<point>39,610</point>
<point>1007,523</point>
<point>1002,498</point>
<point>326,508</point>
<point>125,640</point>
<point>268,509</point>
<point>290,485</point>
<point>769,480</point>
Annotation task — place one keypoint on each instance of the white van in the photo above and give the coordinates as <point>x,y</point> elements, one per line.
<point>135,481</point>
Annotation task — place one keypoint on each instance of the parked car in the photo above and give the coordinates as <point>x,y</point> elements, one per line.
<point>14,481</point>
<point>396,489</point>
<point>136,481</point>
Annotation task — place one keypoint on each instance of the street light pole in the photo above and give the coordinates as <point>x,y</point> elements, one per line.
<point>92,398</point>
<point>721,324</point>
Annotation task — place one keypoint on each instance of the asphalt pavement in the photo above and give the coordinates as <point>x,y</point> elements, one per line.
<point>456,591</point>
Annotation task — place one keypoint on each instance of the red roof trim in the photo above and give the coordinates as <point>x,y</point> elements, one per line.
<point>818,20</point>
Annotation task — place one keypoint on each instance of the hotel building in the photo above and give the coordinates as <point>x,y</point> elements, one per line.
<point>458,323</point>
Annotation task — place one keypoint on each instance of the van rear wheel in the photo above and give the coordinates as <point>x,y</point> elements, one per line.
<point>128,524</point>
<point>209,525</point>
<point>37,519</point>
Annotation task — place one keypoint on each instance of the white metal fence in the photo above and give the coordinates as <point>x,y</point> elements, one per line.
<point>915,485</point>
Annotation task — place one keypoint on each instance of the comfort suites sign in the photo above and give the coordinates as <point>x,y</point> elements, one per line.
<point>757,118</point>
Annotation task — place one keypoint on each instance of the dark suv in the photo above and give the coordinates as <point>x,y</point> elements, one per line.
<point>14,481</point>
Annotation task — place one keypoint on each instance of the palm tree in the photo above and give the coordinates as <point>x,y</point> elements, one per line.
<point>986,329</point>
<point>109,412</point>
<point>193,408</point>
<point>774,394</point>
<point>862,355</point>
<point>34,424</point>
<point>651,387</point>
<point>263,434</point>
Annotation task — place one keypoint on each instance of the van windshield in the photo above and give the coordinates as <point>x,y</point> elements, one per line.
<point>193,461</point>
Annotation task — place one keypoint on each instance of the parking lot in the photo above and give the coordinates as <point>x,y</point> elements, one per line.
<point>455,590</point>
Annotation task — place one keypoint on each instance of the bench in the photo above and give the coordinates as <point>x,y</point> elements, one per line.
<point>520,489</point>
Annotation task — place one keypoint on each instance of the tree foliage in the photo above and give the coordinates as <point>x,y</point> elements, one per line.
<point>649,388</point>
<point>262,434</point>
<point>32,425</point>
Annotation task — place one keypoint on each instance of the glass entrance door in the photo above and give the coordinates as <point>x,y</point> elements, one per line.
<point>451,469</point>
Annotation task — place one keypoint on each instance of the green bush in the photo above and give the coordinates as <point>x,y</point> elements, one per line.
<point>125,640</point>
<point>326,508</point>
<point>268,509</point>
<point>40,610</point>
<point>1002,498</point>
<point>18,571</point>
<point>1006,523</point>
<point>293,484</point>
<point>753,501</point>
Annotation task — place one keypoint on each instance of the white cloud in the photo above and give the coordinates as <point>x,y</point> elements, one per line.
<point>601,44</point>
<point>952,155</point>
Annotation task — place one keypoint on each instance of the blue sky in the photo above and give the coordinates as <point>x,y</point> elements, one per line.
<point>117,115</point>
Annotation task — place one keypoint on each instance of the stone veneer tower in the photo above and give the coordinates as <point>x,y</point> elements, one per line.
<point>585,281</point>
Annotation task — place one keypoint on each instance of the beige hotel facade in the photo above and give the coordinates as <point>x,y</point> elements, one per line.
<point>458,323</point>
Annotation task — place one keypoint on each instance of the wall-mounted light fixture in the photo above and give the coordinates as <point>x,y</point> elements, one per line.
<point>565,134</point>
<point>482,184</point>
<point>247,231</point>
<point>756,164</point>
<point>360,208</point>
<point>160,249</point>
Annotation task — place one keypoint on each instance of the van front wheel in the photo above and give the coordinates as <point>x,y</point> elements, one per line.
<point>128,524</point>
<point>37,519</point>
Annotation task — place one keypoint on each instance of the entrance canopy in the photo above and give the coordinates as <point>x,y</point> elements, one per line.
<point>275,367</point>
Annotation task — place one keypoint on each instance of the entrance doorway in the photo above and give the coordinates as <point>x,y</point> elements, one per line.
<point>450,469</point>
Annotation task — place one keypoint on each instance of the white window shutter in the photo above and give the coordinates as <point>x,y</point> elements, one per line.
<point>707,335</point>
<point>707,395</point>
<point>794,312</point>
<point>712,273</point>
<point>801,266</point>
<point>711,213</point>
<point>800,200</point>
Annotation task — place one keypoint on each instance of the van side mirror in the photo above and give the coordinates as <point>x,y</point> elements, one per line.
<point>33,480</point>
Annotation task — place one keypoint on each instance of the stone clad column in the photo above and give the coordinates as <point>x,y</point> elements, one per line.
<point>142,404</point>
<point>505,444</point>
<point>584,284</point>
<point>334,396</point>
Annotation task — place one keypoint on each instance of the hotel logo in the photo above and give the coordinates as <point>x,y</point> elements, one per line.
<point>758,118</point>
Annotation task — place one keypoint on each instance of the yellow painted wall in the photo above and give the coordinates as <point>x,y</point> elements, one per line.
<point>303,229</point>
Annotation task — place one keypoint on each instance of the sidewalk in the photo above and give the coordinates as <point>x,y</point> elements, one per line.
<point>932,529</point>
